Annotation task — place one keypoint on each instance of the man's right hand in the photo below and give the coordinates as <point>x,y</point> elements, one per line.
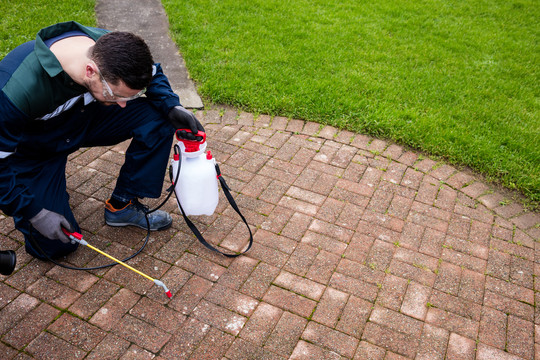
<point>49,224</point>
<point>181,118</point>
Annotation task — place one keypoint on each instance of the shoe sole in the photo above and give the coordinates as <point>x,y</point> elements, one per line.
<point>139,226</point>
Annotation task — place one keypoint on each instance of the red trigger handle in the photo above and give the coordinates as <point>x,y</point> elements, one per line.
<point>74,234</point>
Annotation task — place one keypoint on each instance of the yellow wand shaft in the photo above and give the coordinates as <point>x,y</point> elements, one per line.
<point>76,237</point>
<point>120,262</point>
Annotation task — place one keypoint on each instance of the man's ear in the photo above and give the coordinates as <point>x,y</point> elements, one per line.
<point>90,70</point>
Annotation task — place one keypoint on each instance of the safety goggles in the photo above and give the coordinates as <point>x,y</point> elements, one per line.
<point>110,96</point>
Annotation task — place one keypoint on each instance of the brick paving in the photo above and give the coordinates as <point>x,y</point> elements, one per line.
<point>363,250</point>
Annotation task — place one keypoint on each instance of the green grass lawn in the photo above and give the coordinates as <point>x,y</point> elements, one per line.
<point>22,19</point>
<point>457,79</point>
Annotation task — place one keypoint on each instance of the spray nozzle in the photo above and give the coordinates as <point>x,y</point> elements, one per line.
<point>160,283</point>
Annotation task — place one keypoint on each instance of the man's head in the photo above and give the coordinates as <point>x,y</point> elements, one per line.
<point>123,56</point>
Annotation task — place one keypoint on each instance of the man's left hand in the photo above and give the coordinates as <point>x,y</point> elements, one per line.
<point>181,118</point>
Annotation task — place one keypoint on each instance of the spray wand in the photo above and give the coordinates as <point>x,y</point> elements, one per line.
<point>76,237</point>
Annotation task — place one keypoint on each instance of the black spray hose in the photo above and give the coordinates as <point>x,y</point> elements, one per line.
<point>170,190</point>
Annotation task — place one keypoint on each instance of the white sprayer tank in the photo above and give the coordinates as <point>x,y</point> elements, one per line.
<point>196,188</point>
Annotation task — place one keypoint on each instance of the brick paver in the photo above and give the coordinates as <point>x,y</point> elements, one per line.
<point>363,250</point>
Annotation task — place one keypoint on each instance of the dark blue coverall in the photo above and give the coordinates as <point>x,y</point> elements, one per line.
<point>45,116</point>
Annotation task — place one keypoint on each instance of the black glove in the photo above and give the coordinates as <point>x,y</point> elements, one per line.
<point>181,118</point>
<point>49,224</point>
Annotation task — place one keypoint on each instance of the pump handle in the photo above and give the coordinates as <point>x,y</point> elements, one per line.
<point>192,145</point>
<point>200,134</point>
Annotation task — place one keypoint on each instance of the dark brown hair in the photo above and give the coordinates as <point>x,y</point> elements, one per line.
<point>123,56</point>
